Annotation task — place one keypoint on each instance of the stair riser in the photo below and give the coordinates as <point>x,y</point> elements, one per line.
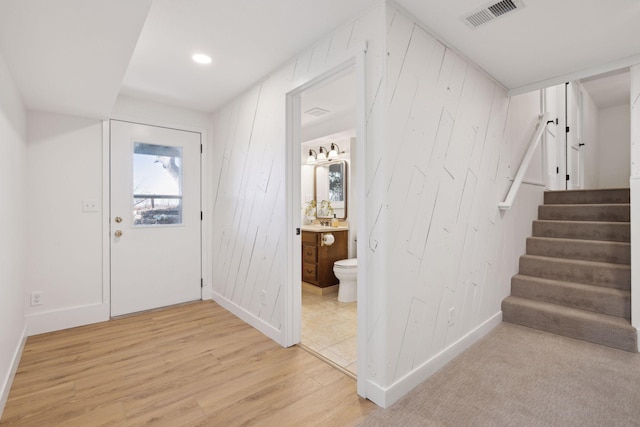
<point>606,276</point>
<point>619,253</point>
<point>611,213</point>
<point>597,302</point>
<point>588,231</point>
<point>587,197</point>
<point>568,326</point>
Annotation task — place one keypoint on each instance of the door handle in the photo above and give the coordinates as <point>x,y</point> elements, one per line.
<point>118,233</point>
<point>118,219</point>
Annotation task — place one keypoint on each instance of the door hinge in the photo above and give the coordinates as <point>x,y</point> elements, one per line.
<point>200,148</point>
<point>201,282</point>
<point>297,231</point>
<point>557,169</point>
<point>567,177</point>
<point>556,120</point>
<point>567,129</point>
<point>201,216</point>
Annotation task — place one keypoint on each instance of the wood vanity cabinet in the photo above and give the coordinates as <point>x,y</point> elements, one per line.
<point>317,259</point>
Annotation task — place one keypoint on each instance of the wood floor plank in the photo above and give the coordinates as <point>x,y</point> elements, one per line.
<point>193,364</point>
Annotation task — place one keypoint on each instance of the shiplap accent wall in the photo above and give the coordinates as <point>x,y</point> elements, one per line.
<point>453,140</point>
<point>248,157</point>
<point>443,139</point>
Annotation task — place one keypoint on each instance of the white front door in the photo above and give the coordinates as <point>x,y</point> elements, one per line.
<point>155,217</point>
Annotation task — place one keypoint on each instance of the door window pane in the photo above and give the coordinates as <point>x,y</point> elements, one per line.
<point>157,184</point>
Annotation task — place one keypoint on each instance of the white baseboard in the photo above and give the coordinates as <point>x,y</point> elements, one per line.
<point>249,318</point>
<point>15,362</point>
<point>40,323</point>
<point>386,397</point>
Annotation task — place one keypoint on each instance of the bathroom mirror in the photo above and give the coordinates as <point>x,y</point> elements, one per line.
<point>330,182</point>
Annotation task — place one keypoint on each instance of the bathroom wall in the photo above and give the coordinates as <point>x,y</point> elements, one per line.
<point>248,250</point>
<point>13,228</point>
<point>453,140</point>
<point>309,171</point>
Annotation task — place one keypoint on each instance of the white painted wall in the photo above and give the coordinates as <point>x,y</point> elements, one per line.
<point>13,193</point>
<point>248,251</point>
<point>64,243</point>
<point>591,151</point>
<point>635,198</point>
<point>614,146</point>
<point>150,112</point>
<point>442,139</point>
<point>453,140</point>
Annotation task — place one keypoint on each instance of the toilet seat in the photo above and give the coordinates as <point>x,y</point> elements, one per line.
<point>346,264</point>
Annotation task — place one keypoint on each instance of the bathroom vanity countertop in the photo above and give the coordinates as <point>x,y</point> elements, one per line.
<point>323,228</point>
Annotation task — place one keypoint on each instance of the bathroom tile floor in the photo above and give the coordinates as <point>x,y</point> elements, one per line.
<point>329,327</point>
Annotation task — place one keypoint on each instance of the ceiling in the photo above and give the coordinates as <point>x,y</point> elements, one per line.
<point>610,89</point>
<point>66,56</point>
<point>544,40</point>
<point>76,56</point>
<point>247,39</point>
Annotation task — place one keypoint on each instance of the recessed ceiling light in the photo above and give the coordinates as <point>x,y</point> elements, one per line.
<point>201,58</point>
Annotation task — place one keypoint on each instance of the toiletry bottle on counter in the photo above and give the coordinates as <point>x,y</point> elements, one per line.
<point>334,221</point>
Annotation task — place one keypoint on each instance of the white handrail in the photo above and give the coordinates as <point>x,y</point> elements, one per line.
<point>533,144</point>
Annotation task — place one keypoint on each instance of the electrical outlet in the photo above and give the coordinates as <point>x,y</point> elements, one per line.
<point>89,205</point>
<point>36,298</point>
<point>263,297</point>
<point>452,316</point>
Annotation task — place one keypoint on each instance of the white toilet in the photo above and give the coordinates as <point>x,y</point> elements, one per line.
<point>346,271</point>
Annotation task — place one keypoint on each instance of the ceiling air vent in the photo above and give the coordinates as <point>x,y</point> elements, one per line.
<point>491,11</point>
<point>317,111</point>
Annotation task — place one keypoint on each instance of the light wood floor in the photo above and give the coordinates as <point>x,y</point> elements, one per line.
<point>191,365</point>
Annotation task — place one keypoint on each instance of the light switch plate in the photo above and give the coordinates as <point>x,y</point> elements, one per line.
<point>90,205</point>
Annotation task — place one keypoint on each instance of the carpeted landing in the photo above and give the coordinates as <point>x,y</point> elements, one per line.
<point>517,376</point>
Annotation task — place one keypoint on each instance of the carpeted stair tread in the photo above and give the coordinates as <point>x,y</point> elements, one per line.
<point>597,328</point>
<point>588,250</point>
<point>586,230</point>
<point>571,270</point>
<point>613,195</point>
<point>609,301</point>
<point>586,212</point>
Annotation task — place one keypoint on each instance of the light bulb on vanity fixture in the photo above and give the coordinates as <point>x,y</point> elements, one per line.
<point>335,151</point>
<point>313,157</point>
<point>322,154</point>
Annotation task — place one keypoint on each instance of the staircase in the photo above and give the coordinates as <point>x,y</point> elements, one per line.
<point>575,278</point>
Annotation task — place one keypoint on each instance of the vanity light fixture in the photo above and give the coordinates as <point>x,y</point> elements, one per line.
<point>335,151</point>
<point>313,157</point>
<point>322,155</point>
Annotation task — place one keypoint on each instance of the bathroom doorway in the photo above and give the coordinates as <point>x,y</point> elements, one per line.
<point>292,326</point>
<point>329,223</point>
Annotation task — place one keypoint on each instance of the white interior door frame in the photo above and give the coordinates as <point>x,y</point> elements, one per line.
<point>205,232</point>
<point>293,298</point>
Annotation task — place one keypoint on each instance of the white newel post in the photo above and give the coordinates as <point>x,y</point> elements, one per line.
<point>634,185</point>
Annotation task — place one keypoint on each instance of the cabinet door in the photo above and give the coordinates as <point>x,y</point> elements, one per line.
<point>309,254</point>
<point>309,273</point>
